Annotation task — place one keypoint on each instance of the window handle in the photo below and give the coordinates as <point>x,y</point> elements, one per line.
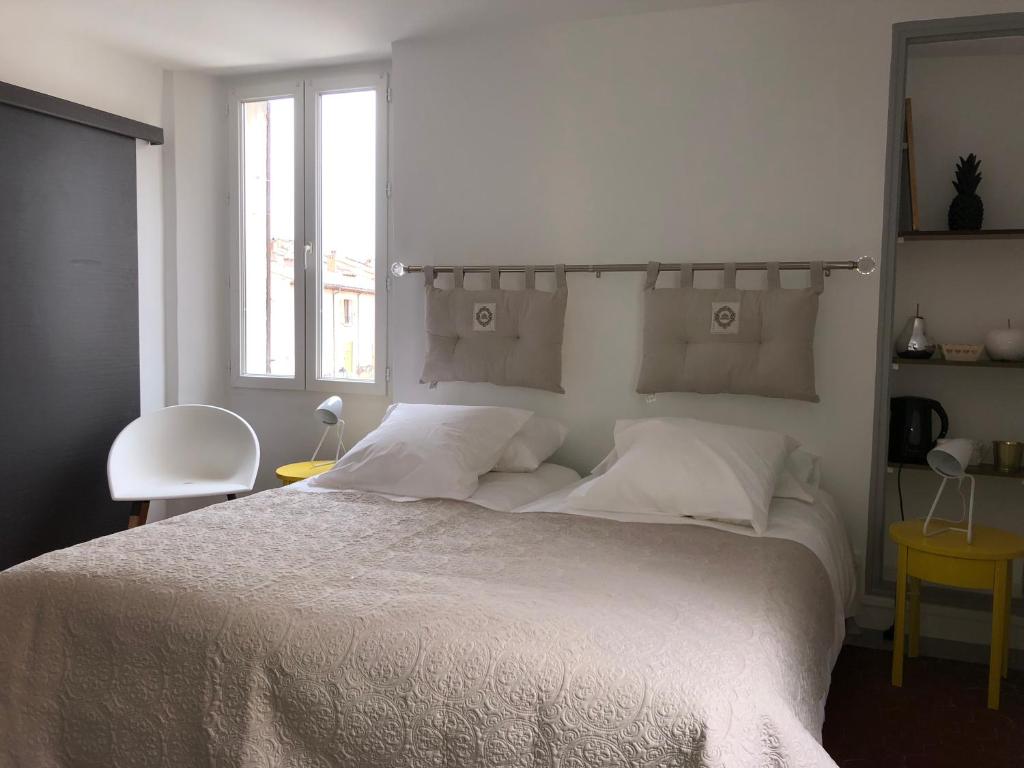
<point>307,252</point>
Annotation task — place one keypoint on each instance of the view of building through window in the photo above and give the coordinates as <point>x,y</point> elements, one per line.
<point>268,194</point>
<point>346,170</point>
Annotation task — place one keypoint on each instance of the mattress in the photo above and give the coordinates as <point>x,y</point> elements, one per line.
<point>292,629</point>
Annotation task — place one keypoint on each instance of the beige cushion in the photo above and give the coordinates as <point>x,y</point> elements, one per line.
<point>511,338</point>
<point>729,340</point>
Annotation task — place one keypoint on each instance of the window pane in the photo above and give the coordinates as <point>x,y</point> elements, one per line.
<point>268,238</point>
<point>347,176</point>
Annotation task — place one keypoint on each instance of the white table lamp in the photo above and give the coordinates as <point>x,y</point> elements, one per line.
<point>329,413</point>
<point>950,460</point>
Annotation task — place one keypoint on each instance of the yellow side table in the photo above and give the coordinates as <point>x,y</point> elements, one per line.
<point>948,559</point>
<point>300,470</point>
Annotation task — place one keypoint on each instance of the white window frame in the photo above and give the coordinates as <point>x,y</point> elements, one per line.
<point>305,91</point>
<point>314,88</point>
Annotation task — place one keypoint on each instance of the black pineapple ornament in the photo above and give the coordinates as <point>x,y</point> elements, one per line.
<point>967,211</point>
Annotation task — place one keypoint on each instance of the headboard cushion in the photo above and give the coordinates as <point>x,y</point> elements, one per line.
<point>510,338</point>
<point>729,340</point>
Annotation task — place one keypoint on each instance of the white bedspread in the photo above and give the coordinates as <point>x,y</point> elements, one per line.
<point>291,629</point>
<point>817,526</point>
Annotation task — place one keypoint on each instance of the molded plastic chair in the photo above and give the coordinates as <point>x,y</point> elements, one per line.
<point>182,452</point>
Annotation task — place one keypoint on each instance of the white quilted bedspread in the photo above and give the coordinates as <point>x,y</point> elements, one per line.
<point>289,629</point>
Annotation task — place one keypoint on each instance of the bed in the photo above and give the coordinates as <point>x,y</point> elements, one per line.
<point>347,629</point>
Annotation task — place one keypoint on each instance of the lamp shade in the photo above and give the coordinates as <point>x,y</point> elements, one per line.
<point>329,411</point>
<point>951,457</point>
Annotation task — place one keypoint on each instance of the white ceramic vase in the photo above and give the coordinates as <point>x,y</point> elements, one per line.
<point>1005,343</point>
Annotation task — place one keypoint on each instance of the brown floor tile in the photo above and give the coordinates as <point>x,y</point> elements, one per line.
<point>937,719</point>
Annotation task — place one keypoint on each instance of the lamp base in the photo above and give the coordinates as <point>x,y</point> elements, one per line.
<point>968,514</point>
<point>341,445</point>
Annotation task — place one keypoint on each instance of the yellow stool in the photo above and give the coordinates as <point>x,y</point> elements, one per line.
<point>300,470</point>
<point>946,558</point>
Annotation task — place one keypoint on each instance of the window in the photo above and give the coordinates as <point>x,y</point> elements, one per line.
<point>268,223</point>
<point>309,280</point>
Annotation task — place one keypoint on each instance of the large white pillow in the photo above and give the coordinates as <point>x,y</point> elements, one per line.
<point>534,443</point>
<point>799,479</point>
<point>686,467</point>
<point>505,491</point>
<point>427,451</point>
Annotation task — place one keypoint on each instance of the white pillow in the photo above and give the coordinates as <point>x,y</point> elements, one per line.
<point>535,442</point>
<point>798,480</point>
<point>789,487</point>
<point>505,491</point>
<point>686,467</point>
<point>800,477</point>
<point>427,451</point>
<point>805,467</point>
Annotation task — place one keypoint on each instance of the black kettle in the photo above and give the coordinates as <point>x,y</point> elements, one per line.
<point>910,428</point>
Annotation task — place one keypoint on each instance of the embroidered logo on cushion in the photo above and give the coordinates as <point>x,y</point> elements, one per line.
<point>725,317</point>
<point>483,316</point>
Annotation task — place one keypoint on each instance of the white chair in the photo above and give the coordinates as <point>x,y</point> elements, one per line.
<point>182,452</point>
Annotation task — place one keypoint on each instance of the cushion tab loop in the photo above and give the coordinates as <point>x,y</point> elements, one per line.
<point>686,275</point>
<point>729,276</point>
<point>817,276</point>
<point>653,269</point>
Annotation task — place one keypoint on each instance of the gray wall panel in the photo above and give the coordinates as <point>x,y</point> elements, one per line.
<point>69,357</point>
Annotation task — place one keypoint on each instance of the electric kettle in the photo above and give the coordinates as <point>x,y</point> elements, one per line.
<point>910,428</point>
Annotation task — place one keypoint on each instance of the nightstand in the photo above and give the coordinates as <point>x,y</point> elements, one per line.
<point>300,470</point>
<point>946,558</point>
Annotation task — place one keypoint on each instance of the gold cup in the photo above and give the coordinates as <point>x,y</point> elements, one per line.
<point>1006,455</point>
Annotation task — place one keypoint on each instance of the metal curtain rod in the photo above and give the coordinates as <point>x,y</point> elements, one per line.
<point>863,266</point>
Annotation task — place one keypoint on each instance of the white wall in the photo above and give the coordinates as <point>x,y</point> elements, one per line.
<point>965,104</point>
<point>287,428</point>
<point>48,60</point>
<point>753,130</point>
<point>152,280</point>
<point>195,209</point>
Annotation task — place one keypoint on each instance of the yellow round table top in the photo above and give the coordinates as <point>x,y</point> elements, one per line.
<point>300,470</point>
<point>988,544</point>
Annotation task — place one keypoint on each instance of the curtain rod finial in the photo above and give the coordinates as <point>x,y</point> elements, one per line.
<point>866,265</point>
<point>398,269</point>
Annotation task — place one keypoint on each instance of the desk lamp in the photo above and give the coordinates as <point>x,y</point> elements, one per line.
<point>949,460</point>
<point>329,412</point>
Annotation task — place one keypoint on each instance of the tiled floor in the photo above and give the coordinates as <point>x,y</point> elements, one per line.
<point>938,719</point>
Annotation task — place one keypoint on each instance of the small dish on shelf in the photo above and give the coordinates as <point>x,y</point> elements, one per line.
<point>962,353</point>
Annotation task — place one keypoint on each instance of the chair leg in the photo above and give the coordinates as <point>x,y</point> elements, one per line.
<point>232,497</point>
<point>139,513</point>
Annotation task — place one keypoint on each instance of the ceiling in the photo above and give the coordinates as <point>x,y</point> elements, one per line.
<point>224,35</point>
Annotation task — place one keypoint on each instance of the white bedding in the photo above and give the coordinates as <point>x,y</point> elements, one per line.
<point>289,629</point>
<point>497,491</point>
<point>818,526</point>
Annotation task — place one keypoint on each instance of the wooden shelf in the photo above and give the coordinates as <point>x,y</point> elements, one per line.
<point>979,470</point>
<point>983,363</point>
<point>979,234</point>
